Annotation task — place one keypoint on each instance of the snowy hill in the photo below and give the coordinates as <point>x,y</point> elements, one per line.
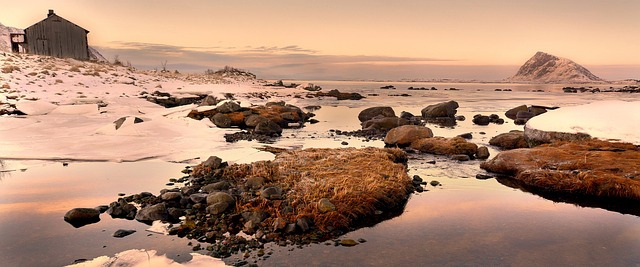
<point>5,41</point>
<point>546,68</point>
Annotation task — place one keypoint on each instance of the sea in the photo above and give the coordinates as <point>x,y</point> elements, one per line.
<point>462,222</point>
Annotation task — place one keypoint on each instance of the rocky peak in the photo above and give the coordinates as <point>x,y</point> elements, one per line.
<point>547,68</point>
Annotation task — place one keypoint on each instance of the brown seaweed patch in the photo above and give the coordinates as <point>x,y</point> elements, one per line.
<point>588,167</point>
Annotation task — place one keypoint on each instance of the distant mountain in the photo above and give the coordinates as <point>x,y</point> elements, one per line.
<point>5,39</point>
<point>546,68</point>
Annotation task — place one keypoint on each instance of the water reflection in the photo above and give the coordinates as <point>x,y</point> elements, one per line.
<point>624,206</point>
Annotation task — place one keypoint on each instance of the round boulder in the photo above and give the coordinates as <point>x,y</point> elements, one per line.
<point>445,109</point>
<point>370,113</point>
<point>153,213</point>
<point>82,216</point>
<point>406,134</point>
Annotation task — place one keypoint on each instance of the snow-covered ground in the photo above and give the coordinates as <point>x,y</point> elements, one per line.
<point>615,120</point>
<point>71,107</point>
<point>140,258</point>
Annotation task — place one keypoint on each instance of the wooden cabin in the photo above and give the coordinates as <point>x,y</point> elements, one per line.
<point>57,37</point>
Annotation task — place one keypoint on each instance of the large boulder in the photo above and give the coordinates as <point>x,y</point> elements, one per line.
<point>406,134</point>
<point>384,123</point>
<point>370,113</point>
<point>152,213</point>
<point>445,146</point>
<point>445,109</point>
<point>511,114</point>
<point>511,140</point>
<point>79,217</point>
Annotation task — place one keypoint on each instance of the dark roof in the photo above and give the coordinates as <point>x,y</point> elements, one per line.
<point>53,15</point>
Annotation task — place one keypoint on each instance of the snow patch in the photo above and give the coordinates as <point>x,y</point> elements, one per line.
<point>38,107</point>
<point>143,258</point>
<point>615,120</point>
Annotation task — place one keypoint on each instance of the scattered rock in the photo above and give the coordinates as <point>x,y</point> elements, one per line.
<point>325,205</point>
<point>348,242</point>
<point>461,157</point>
<point>482,153</point>
<point>122,233</point>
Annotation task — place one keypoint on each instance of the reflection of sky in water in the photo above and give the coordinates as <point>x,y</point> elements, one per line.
<point>464,222</point>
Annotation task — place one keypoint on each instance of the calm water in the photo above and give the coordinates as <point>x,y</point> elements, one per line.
<point>464,222</point>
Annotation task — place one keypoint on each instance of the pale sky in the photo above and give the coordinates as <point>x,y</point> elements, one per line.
<point>359,39</point>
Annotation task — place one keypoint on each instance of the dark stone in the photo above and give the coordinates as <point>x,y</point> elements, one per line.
<point>79,217</point>
<point>481,176</point>
<point>466,135</point>
<point>122,233</point>
<point>460,157</point>
<point>481,120</point>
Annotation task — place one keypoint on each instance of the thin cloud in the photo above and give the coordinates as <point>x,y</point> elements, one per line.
<point>292,62</point>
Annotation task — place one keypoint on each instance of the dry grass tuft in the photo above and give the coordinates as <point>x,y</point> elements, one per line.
<point>357,181</point>
<point>445,146</point>
<point>591,167</point>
